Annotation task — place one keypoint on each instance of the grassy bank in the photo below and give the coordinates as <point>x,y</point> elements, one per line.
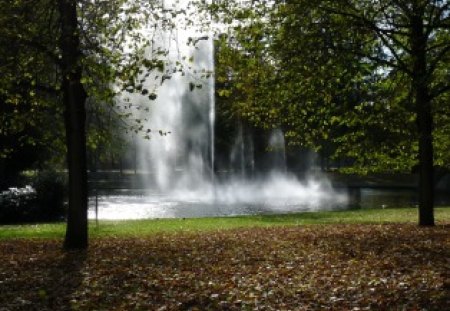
<point>152,226</point>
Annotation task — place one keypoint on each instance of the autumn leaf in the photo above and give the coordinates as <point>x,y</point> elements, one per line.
<point>338,267</point>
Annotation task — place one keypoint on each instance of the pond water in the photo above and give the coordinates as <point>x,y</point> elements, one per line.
<point>142,205</point>
<point>384,198</point>
<point>115,207</point>
<point>277,194</point>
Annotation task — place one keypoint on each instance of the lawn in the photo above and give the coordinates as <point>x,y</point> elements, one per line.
<point>352,260</point>
<point>153,226</point>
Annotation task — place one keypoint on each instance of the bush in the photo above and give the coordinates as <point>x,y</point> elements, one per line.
<point>43,201</point>
<point>50,189</point>
<point>17,204</point>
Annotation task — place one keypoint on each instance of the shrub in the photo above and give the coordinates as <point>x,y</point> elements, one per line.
<point>50,190</point>
<point>17,204</point>
<point>43,201</point>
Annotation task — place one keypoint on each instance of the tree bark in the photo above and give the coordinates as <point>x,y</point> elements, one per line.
<point>74,98</point>
<point>424,116</point>
<point>426,179</point>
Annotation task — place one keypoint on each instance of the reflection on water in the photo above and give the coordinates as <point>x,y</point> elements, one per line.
<point>376,198</point>
<point>384,198</point>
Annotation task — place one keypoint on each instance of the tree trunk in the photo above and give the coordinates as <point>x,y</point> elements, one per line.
<point>74,97</point>
<point>424,120</point>
<point>426,180</point>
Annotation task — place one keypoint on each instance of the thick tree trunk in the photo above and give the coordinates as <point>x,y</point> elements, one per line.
<point>74,97</point>
<point>426,179</point>
<point>424,121</point>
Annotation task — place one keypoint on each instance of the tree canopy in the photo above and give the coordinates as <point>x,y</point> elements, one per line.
<point>358,80</point>
<point>55,56</point>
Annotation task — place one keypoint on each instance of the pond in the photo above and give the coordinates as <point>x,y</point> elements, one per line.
<point>115,207</point>
<point>277,194</point>
<point>127,204</point>
<point>386,198</point>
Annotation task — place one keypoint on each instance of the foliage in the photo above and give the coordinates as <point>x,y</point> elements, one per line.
<point>336,76</point>
<point>442,131</point>
<point>303,267</point>
<point>409,50</point>
<point>17,204</point>
<point>28,95</point>
<point>43,201</point>
<point>51,194</point>
<point>30,88</point>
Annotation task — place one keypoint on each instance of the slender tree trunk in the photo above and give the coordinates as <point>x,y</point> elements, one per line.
<point>74,97</point>
<point>424,121</point>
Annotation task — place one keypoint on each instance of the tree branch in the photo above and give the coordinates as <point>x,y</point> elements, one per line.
<point>41,48</point>
<point>434,63</point>
<point>439,90</point>
<point>382,34</point>
<point>435,20</point>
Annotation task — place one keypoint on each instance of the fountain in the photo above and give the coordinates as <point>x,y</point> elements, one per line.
<point>177,163</point>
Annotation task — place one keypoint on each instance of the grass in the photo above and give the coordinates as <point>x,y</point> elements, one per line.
<point>152,226</point>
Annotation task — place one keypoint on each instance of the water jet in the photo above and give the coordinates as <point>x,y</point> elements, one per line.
<point>179,175</point>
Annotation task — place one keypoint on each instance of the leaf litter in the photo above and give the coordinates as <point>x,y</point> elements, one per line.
<point>329,267</point>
